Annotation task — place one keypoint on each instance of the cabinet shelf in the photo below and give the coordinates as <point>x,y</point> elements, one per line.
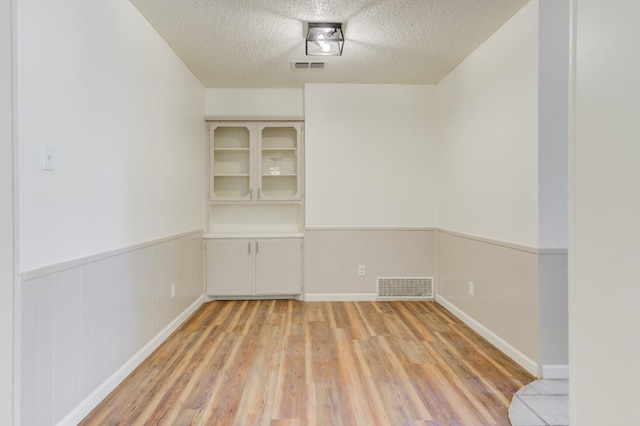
<point>232,186</point>
<point>231,162</point>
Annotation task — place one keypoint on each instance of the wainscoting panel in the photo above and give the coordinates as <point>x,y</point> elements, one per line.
<point>504,304</point>
<point>554,313</point>
<point>83,321</point>
<point>332,256</point>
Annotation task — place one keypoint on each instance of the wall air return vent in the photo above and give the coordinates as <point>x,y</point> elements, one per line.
<point>405,288</point>
<point>309,65</point>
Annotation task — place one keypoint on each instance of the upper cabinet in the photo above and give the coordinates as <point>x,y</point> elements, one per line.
<point>255,161</point>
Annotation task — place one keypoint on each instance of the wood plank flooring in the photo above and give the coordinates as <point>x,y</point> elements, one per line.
<point>285,362</point>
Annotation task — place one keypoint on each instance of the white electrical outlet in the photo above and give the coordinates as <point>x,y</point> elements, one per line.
<point>361,270</point>
<point>471,288</point>
<point>173,290</point>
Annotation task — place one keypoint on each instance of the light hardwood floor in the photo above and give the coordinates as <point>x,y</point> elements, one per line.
<point>285,362</point>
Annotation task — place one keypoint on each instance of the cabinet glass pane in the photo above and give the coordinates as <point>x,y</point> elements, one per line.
<point>279,137</point>
<point>231,186</point>
<point>231,137</point>
<point>279,162</point>
<point>273,186</point>
<point>230,162</point>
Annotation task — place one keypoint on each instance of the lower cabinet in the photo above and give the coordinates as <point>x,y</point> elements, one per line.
<point>254,267</point>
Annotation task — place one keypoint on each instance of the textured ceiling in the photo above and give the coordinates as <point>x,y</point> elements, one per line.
<point>252,43</point>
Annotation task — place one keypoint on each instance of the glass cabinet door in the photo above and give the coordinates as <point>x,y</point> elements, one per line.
<point>279,161</point>
<point>230,162</point>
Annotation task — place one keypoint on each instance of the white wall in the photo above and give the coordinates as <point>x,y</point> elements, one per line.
<point>604,238</point>
<point>6,216</point>
<point>125,118</point>
<point>98,249</point>
<point>254,102</point>
<point>488,142</point>
<point>553,123</point>
<point>370,155</point>
<point>488,188</point>
<point>553,181</point>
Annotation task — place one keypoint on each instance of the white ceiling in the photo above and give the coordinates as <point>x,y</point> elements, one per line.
<point>252,43</point>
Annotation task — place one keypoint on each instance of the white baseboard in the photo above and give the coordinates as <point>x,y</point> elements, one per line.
<point>340,297</point>
<point>525,362</point>
<point>92,401</point>
<point>555,371</point>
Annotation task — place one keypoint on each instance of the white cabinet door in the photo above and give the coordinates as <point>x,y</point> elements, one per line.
<point>279,161</point>
<point>278,266</point>
<point>230,267</point>
<point>231,164</point>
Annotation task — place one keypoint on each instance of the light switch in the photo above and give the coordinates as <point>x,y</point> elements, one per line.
<point>48,159</point>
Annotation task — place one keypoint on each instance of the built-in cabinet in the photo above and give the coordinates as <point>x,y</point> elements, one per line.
<point>254,267</point>
<point>254,237</point>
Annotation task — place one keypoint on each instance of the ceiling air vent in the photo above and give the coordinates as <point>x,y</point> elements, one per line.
<point>405,288</point>
<point>309,65</point>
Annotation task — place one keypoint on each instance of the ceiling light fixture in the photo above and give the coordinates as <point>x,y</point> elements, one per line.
<point>324,39</point>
